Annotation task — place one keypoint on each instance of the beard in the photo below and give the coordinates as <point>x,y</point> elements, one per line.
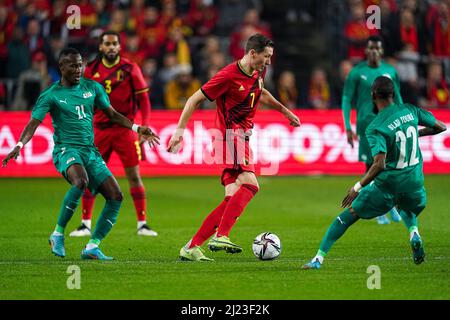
<point>111,57</point>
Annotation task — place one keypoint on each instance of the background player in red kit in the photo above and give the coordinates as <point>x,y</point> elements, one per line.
<point>128,91</point>
<point>237,89</point>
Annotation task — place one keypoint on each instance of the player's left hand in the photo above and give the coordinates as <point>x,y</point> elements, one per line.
<point>293,119</point>
<point>347,202</point>
<point>175,142</point>
<point>12,155</point>
<point>148,135</point>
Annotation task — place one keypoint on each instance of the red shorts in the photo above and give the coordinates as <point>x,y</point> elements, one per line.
<point>235,156</point>
<point>123,141</point>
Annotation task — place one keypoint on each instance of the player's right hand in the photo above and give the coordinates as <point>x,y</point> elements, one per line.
<point>175,142</point>
<point>293,120</point>
<point>12,155</point>
<point>350,137</point>
<point>149,136</point>
<point>347,202</point>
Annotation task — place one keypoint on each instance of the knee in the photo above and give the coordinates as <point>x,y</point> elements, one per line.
<point>247,178</point>
<point>81,183</point>
<point>117,196</point>
<point>134,181</point>
<point>231,189</point>
<point>133,176</point>
<point>114,194</point>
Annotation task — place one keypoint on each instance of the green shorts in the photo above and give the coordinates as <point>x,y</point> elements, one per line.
<point>89,158</point>
<point>364,152</point>
<point>373,202</point>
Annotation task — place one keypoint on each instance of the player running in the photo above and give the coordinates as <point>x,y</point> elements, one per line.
<point>396,176</point>
<point>237,89</point>
<point>357,93</point>
<point>127,90</point>
<point>71,103</point>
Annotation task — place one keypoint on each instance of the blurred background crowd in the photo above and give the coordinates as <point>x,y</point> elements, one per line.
<point>180,44</point>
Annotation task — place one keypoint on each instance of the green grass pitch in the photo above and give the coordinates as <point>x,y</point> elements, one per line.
<point>298,209</point>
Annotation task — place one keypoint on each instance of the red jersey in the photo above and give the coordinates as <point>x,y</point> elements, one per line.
<point>121,81</point>
<point>237,94</point>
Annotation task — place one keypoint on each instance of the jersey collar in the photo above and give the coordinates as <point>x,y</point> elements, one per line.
<point>381,63</point>
<point>71,87</point>
<point>389,107</point>
<point>110,65</point>
<point>243,71</point>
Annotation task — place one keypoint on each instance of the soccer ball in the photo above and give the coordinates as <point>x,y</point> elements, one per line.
<point>267,246</point>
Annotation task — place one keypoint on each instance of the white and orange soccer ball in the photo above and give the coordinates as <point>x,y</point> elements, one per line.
<point>267,246</point>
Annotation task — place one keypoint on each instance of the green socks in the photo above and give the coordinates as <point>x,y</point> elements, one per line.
<point>68,208</point>
<point>105,222</point>
<point>336,230</point>
<point>409,219</point>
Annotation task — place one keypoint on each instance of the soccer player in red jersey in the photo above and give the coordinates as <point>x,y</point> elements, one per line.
<point>237,89</point>
<point>128,91</point>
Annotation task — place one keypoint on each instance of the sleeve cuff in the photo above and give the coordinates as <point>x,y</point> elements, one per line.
<point>37,118</point>
<point>207,97</point>
<point>377,151</point>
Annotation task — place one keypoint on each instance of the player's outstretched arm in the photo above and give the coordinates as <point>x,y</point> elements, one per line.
<point>379,163</point>
<point>436,129</point>
<point>191,104</point>
<point>268,99</point>
<point>346,105</point>
<point>26,136</point>
<point>145,108</point>
<point>144,131</point>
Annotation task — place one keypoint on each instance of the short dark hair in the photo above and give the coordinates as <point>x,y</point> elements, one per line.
<point>383,88</point>
<point>109,33</point>
<point>67,51</point>
<point>258,42</point>
<point>374,38</point>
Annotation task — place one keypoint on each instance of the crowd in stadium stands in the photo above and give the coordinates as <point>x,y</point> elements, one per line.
<point>180,44</point>
<point>416,36</point>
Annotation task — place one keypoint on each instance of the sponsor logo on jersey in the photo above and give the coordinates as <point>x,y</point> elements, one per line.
<point>363,77</point>
<point>63,101</point>
<point>96,75</point>
<point>241,88</point>
<point>70,160</point>
<point>87,95</point>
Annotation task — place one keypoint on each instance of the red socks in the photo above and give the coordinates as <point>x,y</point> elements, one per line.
<point>235,207</point>
<point>209,225</point>
<point>225,215</point>
<point>139,199</point>
<point>87,204</point>
<point>140,202</point>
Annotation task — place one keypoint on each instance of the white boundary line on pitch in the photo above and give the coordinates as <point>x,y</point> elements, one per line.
<point>41,262</point>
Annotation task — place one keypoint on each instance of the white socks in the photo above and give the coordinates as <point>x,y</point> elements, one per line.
<point>188,244</point>
<point>141,223</point>
<point>90,246</point>
<point>413,230</point>
<point>87,223</point>
<point>317,257</point>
